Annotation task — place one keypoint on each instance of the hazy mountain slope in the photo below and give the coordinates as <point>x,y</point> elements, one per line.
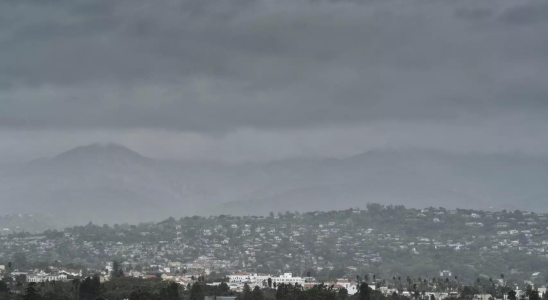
<point>33,223</point>
<point>112,184</point>
<point>103,183</point>
<point>412,178</point>
<point>380,186</point>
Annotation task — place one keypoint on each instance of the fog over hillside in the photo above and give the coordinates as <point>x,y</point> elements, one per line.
<point>109,183</point>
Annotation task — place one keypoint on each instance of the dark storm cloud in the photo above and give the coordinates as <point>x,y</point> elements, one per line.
<point>526,13</point>
<point>214,66</point>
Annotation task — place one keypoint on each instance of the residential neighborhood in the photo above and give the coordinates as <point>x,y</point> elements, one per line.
<point>328,245</point>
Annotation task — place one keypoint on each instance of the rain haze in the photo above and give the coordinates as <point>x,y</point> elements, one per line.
<point>139,110</point>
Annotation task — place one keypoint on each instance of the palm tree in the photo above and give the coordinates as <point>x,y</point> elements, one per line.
<point>492,286</point>
<point>437,287</point>
<point>478,282</point>
<point>408,283</point>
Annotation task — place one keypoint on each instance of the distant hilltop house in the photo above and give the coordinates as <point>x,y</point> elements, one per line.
<point>445,273</point>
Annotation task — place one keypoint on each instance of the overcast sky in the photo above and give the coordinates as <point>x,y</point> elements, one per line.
<point>257,80</point>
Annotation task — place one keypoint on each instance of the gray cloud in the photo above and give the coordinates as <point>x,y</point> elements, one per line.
<point>527,13</point>
<point>209,67</point>
<point>253,80</point>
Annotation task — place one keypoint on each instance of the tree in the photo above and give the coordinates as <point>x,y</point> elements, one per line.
<point>284,292</point>
<point>89,289</point>
<point>75,287</point>
<point>534,295</point>
<point>257,294</point>
<point>320,292</point>
<point>246,292</point>
<point>269,282</point>
<point>143,295</point>
<point>170,291</point>
<point>117,270</point>
<point>196,292</point>
<point>343,294</point>
<point>31,293</point>
<point>523,239</point>
<point>223,289</point>
<point>21,278</point>
<point>468,292</point>
<point>364,292</point>
<point>19,260</point>
<point>512,295</point>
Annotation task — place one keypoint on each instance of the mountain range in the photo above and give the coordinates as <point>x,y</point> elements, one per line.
<point>109,183</point>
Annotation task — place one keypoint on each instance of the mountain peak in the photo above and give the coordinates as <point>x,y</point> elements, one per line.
<point>99,151</point>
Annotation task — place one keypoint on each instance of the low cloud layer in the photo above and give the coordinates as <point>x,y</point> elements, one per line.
<point>362,73</point>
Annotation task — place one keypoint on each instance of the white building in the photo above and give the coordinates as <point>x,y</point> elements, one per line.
<point>261,279</point>
<point>350,286</point>
<point>288,278</point>
<point>254,278</point>
<point>43,277</point>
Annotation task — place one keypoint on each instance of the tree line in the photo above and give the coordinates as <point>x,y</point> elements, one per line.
<point>118,288</point>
